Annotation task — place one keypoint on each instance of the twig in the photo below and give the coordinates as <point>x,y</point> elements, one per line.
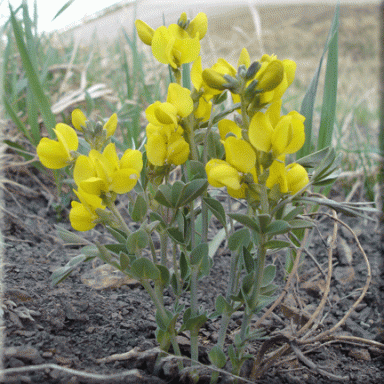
<point>86,377</point>
<point>365,288</point>
<point>312,365</point>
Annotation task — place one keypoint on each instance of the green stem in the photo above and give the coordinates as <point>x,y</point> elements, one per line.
<point>160,307</point>
<point>194,312</point>
<point>153,250</point>
<point>163,247</point>
<point>244,114</point>
<point>122,223</point>
<point>177,271</point>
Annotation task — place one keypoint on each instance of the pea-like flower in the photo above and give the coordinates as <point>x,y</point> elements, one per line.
<point>179,43</point>
<point>165,145</point>
<point>274,76</point>
<point>174,46</point>
<point>240,160</point>
<point>197,27</point>
<point>179,104</point>
<point>79,121</point>
<point>100,173</point>
<point>291,178</point>
<point>57,154</point>
<point>83,215</point>
<point>281,134</point>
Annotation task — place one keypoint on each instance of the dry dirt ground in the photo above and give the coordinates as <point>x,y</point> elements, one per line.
<point>76,324</point>
<point>72,327</point>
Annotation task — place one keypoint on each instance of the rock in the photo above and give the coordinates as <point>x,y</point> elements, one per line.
<point>344,275</point>
<point>24,353</point>
<point>360,354</point>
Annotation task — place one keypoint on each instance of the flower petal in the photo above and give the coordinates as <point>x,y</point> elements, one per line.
<point>221,174</point>
<point>81,219</point>
<point>260,132</point>
<point>244,58</point>
<point>297,177</point>
<point>78,119</point>
<point>132,158</point>
<point>178,151</point>
<point>156,149</point>
<point>181,99</point>
<point>199,24</point>
<point>239,154</point>
<point>144,31</point>
<point>83,170</point>
<point>67,135</point>
<point>124,180</point>
<point>110,125</point>
<point>277,175</point>
<point>228,126</point>
<point>52,154</point>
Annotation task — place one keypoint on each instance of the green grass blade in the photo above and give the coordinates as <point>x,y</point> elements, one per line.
<point>186,76</point>
<point>30,41</point>
<point>127,77</point>
<point>33,118</point>
<point>328,109</point>
<point>19,124</point>
<point>34,81</point>
<point>308,103</point>
<point>63,8</point>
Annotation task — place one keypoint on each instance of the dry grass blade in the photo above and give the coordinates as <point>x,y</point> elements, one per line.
<point>95,91</point>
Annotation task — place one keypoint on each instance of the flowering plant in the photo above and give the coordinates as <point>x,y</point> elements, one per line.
<point>246,148</point>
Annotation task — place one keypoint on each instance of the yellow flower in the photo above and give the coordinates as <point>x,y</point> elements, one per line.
<point>198,26</point>
<point>221,174</point>
<point>260,132</point>
<point>78,119</point>
<point>57,154</point>
<point>110,125</point>
<point>275,76</point>
<point>297,177</point>
<point>277,175</point>
<point>181,99</point>
<point>291,178</point>
<point>174,46</point>
<point>144,31</point>
<point>177,150</point>
<point>99,173</point>
<point>240,159</point>
<point>81,218</point>
<point>199,82</point>
<point>179,104</point>
<point>166,145</point>
<point>281,134</point>
<point>239,154</point>
<point>83,215</point>
<point>203,110</point>
<point>288,135</point>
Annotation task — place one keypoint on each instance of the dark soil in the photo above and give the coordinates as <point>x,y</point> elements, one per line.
<point>73,325</point>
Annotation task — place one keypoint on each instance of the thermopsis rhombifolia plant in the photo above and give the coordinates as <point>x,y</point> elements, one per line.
<point>246,150</point>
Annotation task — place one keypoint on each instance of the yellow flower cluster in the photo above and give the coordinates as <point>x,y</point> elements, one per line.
<point>165,141</point>
<point>264,133</point>
<point>99,176</point>
<point>179,43</point>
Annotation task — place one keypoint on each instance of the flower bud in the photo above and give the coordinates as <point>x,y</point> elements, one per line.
<point>242,70</point>
<point>144,31</point>
<point>251,90</point>
<point>183,21</point>
<point>252,70</point>
<point>272,76</point>
<point>214,79</point>
<point>199,24</point>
